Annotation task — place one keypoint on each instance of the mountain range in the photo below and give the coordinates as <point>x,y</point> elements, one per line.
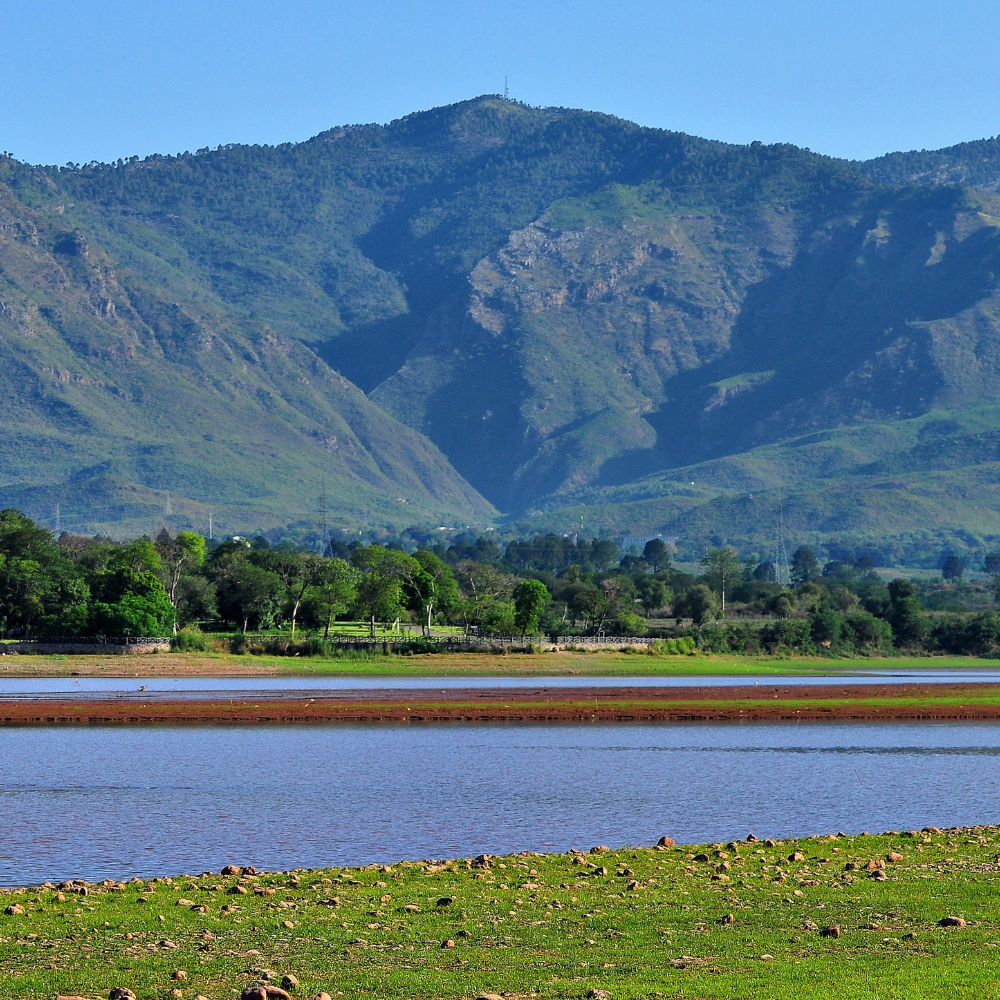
<point>495,315</point>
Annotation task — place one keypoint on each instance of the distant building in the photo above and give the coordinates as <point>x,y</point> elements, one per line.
<point>629,542</point>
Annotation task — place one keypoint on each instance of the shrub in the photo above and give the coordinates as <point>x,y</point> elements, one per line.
<point>190,640</point>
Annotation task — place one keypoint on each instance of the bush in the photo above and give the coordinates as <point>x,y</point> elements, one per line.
<point>190,640</point>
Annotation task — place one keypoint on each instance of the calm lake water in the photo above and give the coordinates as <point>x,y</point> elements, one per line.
<point>115,802</point>
<point>21,686</point>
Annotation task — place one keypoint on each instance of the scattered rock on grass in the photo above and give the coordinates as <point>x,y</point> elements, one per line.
<point>599,994</point>
<point>727,919</point>
<point>665,842</point>
<point>951,922</point>
<point>879,875</point>
<point>231,870</point>
<point>894,856</point>
<point>322,996</point>
<point>14,910</point>
<point>796,856</point>
<point>448,944</point>
<point>180,975</point>
<point>833,931</point>
<point>599,849</point>
<point>445,901</point>
<point>121,993</point>
<point>289,982</point>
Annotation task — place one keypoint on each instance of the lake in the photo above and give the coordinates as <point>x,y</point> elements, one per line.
<point>19,687</point>
<point>115,802</point>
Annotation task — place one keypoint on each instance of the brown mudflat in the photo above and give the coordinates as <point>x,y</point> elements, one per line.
<point>966,701</point>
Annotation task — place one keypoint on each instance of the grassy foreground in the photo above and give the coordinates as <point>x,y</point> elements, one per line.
<point>733,921</point>
<point>565,662</point>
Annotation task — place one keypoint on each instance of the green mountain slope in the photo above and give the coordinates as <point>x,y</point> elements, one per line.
<point>489,307</point>
<point>128,406</point>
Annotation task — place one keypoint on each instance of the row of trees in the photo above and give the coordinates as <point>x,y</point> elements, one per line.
<point>95,586</point>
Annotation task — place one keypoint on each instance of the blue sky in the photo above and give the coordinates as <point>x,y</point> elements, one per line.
<point>99,79</point>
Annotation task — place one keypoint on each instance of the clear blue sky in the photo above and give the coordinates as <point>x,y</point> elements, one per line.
<point>99,79</point>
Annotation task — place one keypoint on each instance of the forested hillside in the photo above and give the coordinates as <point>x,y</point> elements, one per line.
<point>490,309</point>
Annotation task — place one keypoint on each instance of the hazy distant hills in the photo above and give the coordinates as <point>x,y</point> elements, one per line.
<point>493,310</point>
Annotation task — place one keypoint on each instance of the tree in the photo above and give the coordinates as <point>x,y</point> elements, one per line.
<point>380,588</point>
<point>530,599</point>
<point>952,568</point>
<point>595,607</point>
<point>248,593</point>
<point>652,593</point>
<point>332,592</point>
<point>435,587</point>
<point>722,568</point>
<point>603,554</point>
<point>698,604</point>
<point>992,565</point>
<point>185,550</point>
<point>656,554</point>
<point>805,566</point>
<point>908,624</point>
<point>134,615</point>
<point>766,572</point>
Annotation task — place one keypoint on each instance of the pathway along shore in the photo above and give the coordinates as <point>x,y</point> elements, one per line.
<point>758,703</point>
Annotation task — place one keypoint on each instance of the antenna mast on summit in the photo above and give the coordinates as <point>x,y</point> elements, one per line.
<point>506,91</point>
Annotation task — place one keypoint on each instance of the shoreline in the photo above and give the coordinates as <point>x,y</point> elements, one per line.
<point>905,702</point>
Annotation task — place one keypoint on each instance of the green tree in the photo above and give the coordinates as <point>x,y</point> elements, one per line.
<point>698,604</point>
<point>150,614</point>
<point>249,595</point>
<point>952,568</point>
<point>908,623</point>
<point>332,592</point>
<point>596,608</point>
<point>530,599</point>
<point>722,568</point>
<point>185,553</point>
<point>653,594</point>
<point>656,554</point>
<point>435,586</point>
<point>380,588</point>
<point>805,566</point>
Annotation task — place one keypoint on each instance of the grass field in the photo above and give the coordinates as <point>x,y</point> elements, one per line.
<point>601,663</point>
<point>732,921</point>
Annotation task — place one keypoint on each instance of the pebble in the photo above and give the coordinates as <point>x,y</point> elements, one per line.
<point>727,919</point>
<point>599,994</point>
<point>411,908</point>
<point>448,944</point>
<point>632,886</point>
<point>665,842</point>
<point>443,901</point>
<point>796,856</point>
<point>879,875</point>
<point>489,996</point>
<point>238,890</point>
<point>121,993</point>
<point>322,996</point>
<point>894,856</point>
<point>833,931</point>
<point>185,902</point>
<point>289,982</point>
<point>951,922</point>
<point>288,924</point>
<point>179,975</point>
